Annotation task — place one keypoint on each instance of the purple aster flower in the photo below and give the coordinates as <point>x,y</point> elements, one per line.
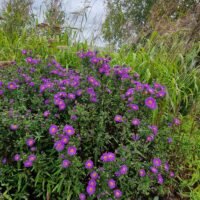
<point>169,140</point>
<point>59,145</point>
<point>157,162</point>
<point>71,96</point>
<point>29,60</point>
<point>111,183</point>
<point>89,164</point>
<point>13,127</point>
<point>111,157</point>
<point>66,163</point>
<point>12,86</point>
<point>1,92</point>
<point>160,179</point>
<point>82,196</point>
<point>142,172</point>
<point>117,173</point>
<point>177,121</point>
<point>150,138</point>
<point>166,166</point>
<point>62,106</point>
<point>94,175</point>
<point>4,161</point>
<point>150,102</point>
<point>135,137</point>
<point>53,129</point>
<point>154,129</point>
<point>134,107</point>
<point>69,130</point>
<point>28,163</point>
<point>123,169</point>
<point>33,148</point>
<point>71,150</point>
<point>91,91</point>
<point>1,83</point>
<point>171,174</point>
<point>94,60</point>
<point>118,118</point>
<point>129,92</point>
<point>135,122</point>
<point>46,113</point>
<point>65,139</point>
<point>17,157</point>
<point>32,157</point>
<point>117,193</point>
<point>30,142</point>
<point>92,182</point>
<point>154,170</point>
<point>74,117</point>
<point>90,190</point>
<point>79,92</point>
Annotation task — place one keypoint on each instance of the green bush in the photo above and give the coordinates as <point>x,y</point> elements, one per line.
<point>95,130</point>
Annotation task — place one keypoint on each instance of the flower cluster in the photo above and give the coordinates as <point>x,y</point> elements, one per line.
<point>92,128</point>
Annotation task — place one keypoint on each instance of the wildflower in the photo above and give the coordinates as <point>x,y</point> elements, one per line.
<point>177,121</point>
<point>123,169</point>
<point>108,157</point>
<point>1,92</point>
<point>142,172</point>
<point>59,145</point>
<point>134,107</point>
<point>160,179</point>
<point>71,150</point>
<point>32,157</point>
<point>71,96</point>
<point>69,130</point>
<point>13,127</point>
<point>117,193</point>
<point>157,162</point>
<point>66,163</point>
<point>135,137</point>
<point>90,190</point>
<point>154,129</point>
<point>82,196</point>
<point>150,138</point>
<point>94,175</point>
<point>169,140</point>
<point>17,157</point>
<point>135,122</point>
<point>154,170</point>
<point>46,113</point>
<point>171,174</point>
<point>118,118</point>
<point>150,102</point>
<point>28,163</point>
<point>65,139</point>
<point>166,167</point>
<point>92,182</point>
<point>111,183</point>
<point>12,86</point>
<point>30,142</point>
<point>89,164</point>
<point>53,129</point>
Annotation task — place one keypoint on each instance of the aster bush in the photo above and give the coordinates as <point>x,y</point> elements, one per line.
<point>92,132</point>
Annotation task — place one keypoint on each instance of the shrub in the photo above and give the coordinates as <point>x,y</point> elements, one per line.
<point>97,132</point>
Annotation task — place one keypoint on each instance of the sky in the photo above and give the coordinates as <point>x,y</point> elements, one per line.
<point>95,15</point>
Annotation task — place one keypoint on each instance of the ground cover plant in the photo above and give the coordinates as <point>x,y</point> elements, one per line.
<point>95,131</point>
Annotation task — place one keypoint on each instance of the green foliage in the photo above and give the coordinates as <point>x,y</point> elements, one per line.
<point>97,130</point>
<point>16,15</point>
